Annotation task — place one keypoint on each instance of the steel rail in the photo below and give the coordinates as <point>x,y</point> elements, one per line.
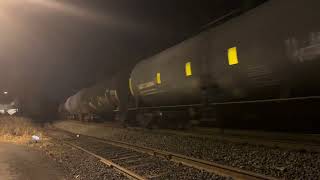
<point>109,163</point>
<point>124,171</point>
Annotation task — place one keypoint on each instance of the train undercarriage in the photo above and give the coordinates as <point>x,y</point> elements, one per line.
<point>293,114</point>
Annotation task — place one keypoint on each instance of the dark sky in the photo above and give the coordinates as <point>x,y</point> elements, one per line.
<point>53,48</point>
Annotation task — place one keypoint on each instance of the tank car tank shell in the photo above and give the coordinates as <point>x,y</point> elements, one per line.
<point>276,52</point>
<point>101,99</point>
<point>67,105</point>
<point>76,103</point>
<point>171,77</point>
<point>112,95</point>
<point>272,51</point>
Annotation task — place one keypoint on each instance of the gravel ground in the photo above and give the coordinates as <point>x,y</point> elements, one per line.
<point>270,161</point>
<point>275,162</point>
<point>157,168</point>
<point>80,165</point>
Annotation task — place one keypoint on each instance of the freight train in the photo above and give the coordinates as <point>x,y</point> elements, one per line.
<point>260,68</point>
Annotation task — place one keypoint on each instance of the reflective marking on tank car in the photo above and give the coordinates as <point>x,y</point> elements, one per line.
<point>233,56</point>
<point>158,78</point>
<point>188,69</point>
<point>130,86</point>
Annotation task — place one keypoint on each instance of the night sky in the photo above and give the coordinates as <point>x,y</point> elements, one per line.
<point>53,48</point>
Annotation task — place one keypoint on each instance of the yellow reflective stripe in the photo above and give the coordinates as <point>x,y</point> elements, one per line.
<point>233,56</point>
<point>188,69</point>
<point>130,87</point>
<point>158,78</point>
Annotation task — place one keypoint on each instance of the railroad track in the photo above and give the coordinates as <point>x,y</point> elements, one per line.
<point>126,172</point>
<point>291,141</point>
<point>137,162</point>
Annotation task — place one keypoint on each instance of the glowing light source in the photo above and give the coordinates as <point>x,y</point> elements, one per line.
<point>69,8</point>
<point>5,92</point>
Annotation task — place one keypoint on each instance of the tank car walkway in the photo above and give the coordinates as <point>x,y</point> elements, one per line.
<point>21,163</point>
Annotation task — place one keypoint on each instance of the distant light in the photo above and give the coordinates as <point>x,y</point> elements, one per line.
<point>5,92</point>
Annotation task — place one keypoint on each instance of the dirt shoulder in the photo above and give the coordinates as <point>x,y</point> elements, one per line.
<point>22,162</point>
<point>21,157</point>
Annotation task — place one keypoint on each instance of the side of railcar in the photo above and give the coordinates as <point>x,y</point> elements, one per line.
<point>267,60</point>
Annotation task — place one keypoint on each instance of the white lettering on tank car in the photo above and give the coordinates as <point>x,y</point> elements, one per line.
<point>304,50</point>
<point>261,76</point>
<point>146,85</point>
